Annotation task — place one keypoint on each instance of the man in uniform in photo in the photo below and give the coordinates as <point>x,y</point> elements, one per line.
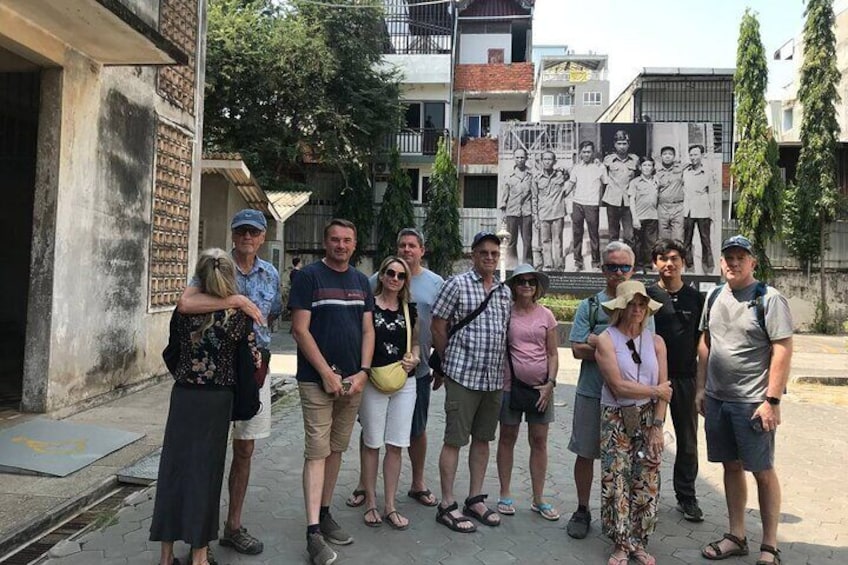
<point>515,206</point>
<point>669,177</point>
<point>585,183</point>
<point>622,166</point>
<point>549,209</point>
<point>698,187</point>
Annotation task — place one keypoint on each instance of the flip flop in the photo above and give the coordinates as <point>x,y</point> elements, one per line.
<point>443,517</point>
<point>505,506</point>
<point>354,501</point>
<point>375,524</point>
<point>546,511</point>
<point>395,526</point>
<point>421,496</point>
<point>643,557</point>
<point>484,517</point>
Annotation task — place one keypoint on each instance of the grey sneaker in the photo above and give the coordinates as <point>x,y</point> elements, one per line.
<point>334,533</point>
<point>241,541</point>
<point>319,552</point>
<point>691,511</point>
<point>578,525</point>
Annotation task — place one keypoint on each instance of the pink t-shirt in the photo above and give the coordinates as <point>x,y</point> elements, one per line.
<point>528,333</point>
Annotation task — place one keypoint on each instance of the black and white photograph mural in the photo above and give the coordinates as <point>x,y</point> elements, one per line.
<point>565,190</point>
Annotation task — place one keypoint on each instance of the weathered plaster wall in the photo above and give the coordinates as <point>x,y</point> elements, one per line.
<point>214,201</point>
<point>804,292</point>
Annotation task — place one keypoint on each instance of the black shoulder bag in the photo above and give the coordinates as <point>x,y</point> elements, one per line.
<point>522,397</point>
<point>435,361</point>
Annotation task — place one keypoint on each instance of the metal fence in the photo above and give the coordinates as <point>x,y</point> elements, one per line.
<point>415,141</point>
<point>417,27</point>
<point>835,257</point>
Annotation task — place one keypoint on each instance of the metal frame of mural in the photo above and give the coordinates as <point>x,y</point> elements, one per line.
<point>566,189</point>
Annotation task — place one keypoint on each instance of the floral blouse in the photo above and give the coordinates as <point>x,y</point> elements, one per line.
<point>211,357</point>
<point>390,334</point>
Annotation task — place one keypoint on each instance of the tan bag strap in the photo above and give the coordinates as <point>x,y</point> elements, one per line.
<point>408,327</point>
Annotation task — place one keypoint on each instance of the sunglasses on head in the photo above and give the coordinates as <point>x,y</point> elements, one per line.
<point>633,353</point>
<point>527,282</point>
<point>392,274</point>
<point>612,268</point>
<point>242,230</point>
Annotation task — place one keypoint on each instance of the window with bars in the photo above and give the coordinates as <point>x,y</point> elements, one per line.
<point>477,125</point>
<point>171,211</point>
<point>178,23</point>
<point>480,191</point>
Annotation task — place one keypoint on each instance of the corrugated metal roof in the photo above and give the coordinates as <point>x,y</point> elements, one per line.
<point>287,203</point>
<point>231,167</point>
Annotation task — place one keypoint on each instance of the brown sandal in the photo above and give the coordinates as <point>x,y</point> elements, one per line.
<point>740,549</point>
<point>764,548</point>
<point>376,523</point>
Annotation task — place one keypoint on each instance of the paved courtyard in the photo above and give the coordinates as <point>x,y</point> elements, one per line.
<point>812,449</point>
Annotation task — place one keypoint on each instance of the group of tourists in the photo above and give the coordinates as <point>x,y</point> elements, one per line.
<point>373,350</point>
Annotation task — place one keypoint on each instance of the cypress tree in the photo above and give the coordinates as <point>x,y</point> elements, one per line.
<point>396,212</point>
<point>441,227</point>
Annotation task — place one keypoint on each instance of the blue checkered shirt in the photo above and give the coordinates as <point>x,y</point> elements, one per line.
<point>474,356</point>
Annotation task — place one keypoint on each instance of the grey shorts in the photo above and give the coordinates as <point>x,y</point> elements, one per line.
<point>510,417</point>
<point>731,437</point>
<point>586,427</point>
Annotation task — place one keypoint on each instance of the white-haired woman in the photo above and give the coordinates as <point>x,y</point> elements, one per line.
<point>194,449</point>
<point>634,399</point>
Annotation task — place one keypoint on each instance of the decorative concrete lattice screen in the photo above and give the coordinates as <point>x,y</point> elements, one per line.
<point>178,23</point>
<point>171,209</point>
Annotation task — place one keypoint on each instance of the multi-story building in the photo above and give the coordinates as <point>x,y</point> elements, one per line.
<point>570,87</point>
<point>100,114</point>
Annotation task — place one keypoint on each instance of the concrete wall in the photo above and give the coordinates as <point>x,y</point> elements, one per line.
<point>215,212</point>
<point>803,293</point>
<point>474,47</point>
<point>90,330</point>
<point>422,69</point>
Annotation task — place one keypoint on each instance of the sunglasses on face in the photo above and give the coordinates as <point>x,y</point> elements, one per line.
<point>527,282</point>
<point>612,268</point>
<point>243,230</point>
<point>392,274</point>
<point>633,353</point>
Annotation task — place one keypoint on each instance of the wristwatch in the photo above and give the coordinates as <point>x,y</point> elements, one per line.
<point>658,423</point>
<point>773,400</point>
<point>366,370</point>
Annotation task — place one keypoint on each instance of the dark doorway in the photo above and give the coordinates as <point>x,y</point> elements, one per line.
<point>19,101</point>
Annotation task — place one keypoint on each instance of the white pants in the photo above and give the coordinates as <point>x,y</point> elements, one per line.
<point>387,418</point>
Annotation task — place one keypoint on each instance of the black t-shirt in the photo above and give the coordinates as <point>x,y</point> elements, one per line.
<point>677,323</point>
<point>390,334</point>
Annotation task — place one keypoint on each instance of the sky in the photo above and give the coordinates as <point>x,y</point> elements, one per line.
<point>668,33</point>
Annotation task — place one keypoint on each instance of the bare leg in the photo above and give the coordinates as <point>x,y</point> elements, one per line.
<point>736,495</point>
<point>768,490</point>
<point>391,476</point>
<point>506,449</point>
<point>584,474</point>
<point>448,462</point>
<point>313,481</point>
<point>370,460</point>
<point>237,483</point>
<point>198,556</point>
<point>417,455</point>
<point>537,436</point>
<point>166,553</point>
<point>331,475</point>
<point>478,460</point>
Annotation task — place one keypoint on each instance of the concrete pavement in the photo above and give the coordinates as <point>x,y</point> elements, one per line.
<point>810,454</point>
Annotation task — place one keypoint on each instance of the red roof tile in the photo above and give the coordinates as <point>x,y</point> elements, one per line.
<point>513,77</point>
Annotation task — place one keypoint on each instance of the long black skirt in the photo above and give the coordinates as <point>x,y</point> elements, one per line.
<point>191,470</point>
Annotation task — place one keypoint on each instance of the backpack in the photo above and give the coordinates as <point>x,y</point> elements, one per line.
<point>758,302</point>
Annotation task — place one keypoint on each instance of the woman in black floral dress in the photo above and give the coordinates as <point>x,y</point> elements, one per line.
<point>191,469</point>
<point>387,418</point>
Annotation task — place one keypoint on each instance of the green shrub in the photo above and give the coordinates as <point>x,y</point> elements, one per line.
<point>562,308</point>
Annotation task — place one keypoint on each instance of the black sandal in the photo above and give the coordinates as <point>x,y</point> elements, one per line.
<point>443,517</point>
<point>484,517</point>
<point>391,522</point>
<point>353,501</point>
<point>375,524</point>
<point>740,549</point>
<point>764,548</point>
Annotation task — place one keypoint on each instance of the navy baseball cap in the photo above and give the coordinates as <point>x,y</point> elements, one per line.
<point>483,236</point>
<point>738,241</point>
<point>249,217</point>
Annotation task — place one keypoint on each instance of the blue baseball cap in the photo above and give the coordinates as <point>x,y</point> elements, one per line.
<point>483,236</point>
<point>738,241</point>
<point>249,217</point>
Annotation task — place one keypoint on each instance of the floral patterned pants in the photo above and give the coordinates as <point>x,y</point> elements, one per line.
<point>630,483</point>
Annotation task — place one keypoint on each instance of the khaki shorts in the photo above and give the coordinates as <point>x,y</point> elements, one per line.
<point>258,427</point>
<point>470,412</point>
<point>327,421</point>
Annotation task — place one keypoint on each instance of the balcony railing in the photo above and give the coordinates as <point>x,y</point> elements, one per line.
<point>417,27</point>
<point>573,75</point>
<point>416,141</point>
<point>557,110</point>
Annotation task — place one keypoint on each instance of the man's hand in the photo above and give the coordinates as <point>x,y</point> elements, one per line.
<point>700,403</point>
<point>247,306</point>
<point>546,392</point>
<point>637,225</point>
<point>332,383</point>
<point>592,340</point>
<point>770,415</point>
<point>357,383</point>
<point>438,380</point>
<point>663,391</point>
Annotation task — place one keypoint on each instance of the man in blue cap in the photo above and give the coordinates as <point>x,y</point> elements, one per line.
<point>259,286</point>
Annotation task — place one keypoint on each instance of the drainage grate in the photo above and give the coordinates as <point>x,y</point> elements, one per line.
<point>96,515</point>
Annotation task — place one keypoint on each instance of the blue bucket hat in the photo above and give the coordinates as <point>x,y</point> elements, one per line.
<point>249,217</point>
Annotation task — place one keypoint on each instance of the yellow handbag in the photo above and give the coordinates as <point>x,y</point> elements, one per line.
<point>391,378</point>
